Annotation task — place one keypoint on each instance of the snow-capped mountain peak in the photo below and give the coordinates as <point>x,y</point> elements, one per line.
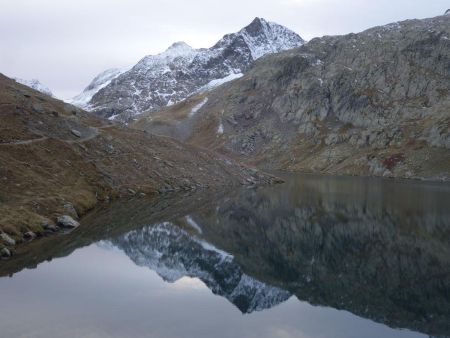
<point>36,85</point>
<point>178,50</point>
<point>180,71</point>
<point>180,47</point>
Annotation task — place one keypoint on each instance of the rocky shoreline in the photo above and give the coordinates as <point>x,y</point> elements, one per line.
<point>65,223</point>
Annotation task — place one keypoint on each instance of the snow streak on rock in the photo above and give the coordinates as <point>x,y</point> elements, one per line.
<point>198,107</point>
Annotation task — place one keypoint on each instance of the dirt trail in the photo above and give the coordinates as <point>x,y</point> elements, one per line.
<point>24,141</point>
<point>44,138</point>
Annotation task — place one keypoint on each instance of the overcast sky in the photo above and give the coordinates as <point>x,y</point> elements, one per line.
<point>65,43</point>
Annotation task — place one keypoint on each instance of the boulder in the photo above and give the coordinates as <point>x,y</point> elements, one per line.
<point>49,226</point>
<point>71,210</point>
<point>67,222</point>
<point>7,239</point>
<point>29,235</point>
<point>5,253</point>
<point>75,132</point>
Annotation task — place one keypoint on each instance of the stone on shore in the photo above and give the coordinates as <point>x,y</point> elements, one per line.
<point>5,253</point>
<point>66,221</point>
<point>7,239</point>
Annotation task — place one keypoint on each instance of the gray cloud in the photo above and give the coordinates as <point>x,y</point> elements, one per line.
<point>66,43</point>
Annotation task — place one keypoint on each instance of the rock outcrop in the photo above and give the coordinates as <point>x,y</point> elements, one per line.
<point>66,221</point>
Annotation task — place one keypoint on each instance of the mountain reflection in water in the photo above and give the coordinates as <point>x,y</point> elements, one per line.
<point>378,249</point>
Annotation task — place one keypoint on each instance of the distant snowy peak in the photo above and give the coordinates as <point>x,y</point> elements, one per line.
<point>36,85</point>
<point>447,12</point>
<point>99,82</point>
<point>179,48</point>
<point>179,51</point>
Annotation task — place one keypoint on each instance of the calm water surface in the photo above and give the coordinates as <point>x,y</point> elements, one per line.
<point>315,257</point>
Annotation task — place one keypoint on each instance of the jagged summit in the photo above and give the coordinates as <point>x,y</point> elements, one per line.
<point>447,12</point>
<point>258,26</point>
<point>179,48</point>
<point>265,37</point>
<point>262,37</point>
<point>171,76</point>
<point>255,25</point>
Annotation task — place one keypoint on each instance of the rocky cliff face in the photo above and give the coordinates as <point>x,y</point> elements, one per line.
<point>373,103</point>
<point>164,79</point>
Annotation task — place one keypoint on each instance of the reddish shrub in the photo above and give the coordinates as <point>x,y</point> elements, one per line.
<point>391,161</point>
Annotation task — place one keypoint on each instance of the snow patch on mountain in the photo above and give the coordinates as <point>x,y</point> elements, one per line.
<point>193,224</point>
<point>36,85</point>
<point>197,107</point>
<point>218,82</point>
<point>220,128</point>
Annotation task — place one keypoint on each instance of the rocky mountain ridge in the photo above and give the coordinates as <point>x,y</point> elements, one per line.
<point>372,103</point>
<point>164,79</point>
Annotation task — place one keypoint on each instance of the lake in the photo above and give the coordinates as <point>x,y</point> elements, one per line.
<point>314,257</point>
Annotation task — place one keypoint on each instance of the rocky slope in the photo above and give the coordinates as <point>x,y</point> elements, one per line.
<point>56,159</point>
<point>372,103</point>
<point>160,80</point>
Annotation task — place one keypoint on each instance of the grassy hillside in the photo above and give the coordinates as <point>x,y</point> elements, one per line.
<point>56,159</point>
